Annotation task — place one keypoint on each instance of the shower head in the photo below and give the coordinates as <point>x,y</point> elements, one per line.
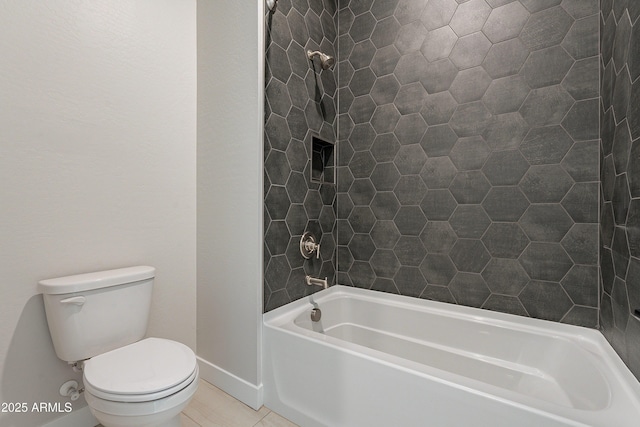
<point>326,61</point>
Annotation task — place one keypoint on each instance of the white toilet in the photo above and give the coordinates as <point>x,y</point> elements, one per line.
<point>98,320</point>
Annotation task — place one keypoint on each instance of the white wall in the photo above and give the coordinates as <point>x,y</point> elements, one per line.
<point>230,96</point>
<point>97,168</point>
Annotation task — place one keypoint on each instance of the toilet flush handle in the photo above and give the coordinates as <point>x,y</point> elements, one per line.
<point>74,300</point>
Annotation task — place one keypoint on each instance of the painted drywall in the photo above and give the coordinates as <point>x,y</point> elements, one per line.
<point>230,96</point>
<point>97,169</point>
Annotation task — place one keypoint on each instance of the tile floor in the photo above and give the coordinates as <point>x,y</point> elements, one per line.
<point>212,407</point>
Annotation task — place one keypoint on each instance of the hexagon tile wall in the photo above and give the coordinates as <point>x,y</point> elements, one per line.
<point>620,178</point>
<point>467,150</point>
<point>469,144</point>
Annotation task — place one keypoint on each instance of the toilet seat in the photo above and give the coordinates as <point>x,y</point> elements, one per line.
<point>141,372</point>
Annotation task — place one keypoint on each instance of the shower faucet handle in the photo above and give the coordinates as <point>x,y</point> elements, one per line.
<point>309,245</point>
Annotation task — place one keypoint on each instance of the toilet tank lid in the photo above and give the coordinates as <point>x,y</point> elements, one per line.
<point>96,280</point>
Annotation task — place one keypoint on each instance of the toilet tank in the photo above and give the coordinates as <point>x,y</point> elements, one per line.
<point>90,314</point>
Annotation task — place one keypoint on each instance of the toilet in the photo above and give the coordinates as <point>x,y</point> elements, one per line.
<point>97,323</point>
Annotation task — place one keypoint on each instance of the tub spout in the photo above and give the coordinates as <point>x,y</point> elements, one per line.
<point>318,282</point>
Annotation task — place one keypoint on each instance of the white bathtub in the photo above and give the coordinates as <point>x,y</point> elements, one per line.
<point>384,360</point>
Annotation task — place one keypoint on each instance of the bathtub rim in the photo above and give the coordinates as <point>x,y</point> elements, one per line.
<point>591,340</point>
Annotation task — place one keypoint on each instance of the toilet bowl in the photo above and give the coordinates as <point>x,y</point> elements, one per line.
<point>144,384</point>
<point>98,321</point>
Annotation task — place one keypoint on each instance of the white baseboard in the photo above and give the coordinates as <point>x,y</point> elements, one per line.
<point>78,418</point>
<point>247,393</point>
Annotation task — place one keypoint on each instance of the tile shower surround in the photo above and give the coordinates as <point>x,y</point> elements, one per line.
<point>620,177</point>
<point>467,150</point>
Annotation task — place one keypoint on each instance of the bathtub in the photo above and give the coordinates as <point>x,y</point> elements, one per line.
<point>385,360</point>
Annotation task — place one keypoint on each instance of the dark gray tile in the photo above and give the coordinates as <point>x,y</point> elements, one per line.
<point>438,172</point>
<point>410,220</point>
<point>505,240</point>
<point>410,190</point>
<point>438,108</point>
<point>410,251</point>
<point>546,222</point>
<point>384,205</point>
<point>546,184</point>
<point>505,167</point>
<point>410,129</point>
<point>469,187</point>
<point>470,17</point>
<point>546,145</point>
<point>362,164</point>
<point>277,167</point>
<point>385,234</point>
<point>470,50</point>
<point>409,37</point>
<point>505,276</point>
<point>505,304</point>
<point>470,119</point>
<point>621,199</point>
<point>633,227</point>
<point>409,281</point>
<point>469,289</point>
<point>361,274</point>
<point>581,284</point>
<point>385,89</point>
<point>385,60</point>
<point>437,76</point>
<point>385,32</point>
<point>469,255</point>
<point>621,147</point>
<point>505,203</point>
<point>581,243</point>
<point>277,202</point>
<point>469,153</point>
<point>581,202</point>
<point>438,13</point>
<point>546,106</point>
<point>582,120</point>
<point>361,247</point>
<point>583,79</point>
<point>361,219</point>
<point>438,140</point>
<point>410,98</point>
<point>385,147</point>
<point>362,191</point>
<point>277,237</point>
<point>410,159</point>
<point>409,10</point>
<point>438,205</point>
<point>362,27</point>
<point>506,95</point>
<point>505,131</point>
<point>469,221</point>
<point>411,67</point>
<point>439,43</point>
<point>546,67</point>
<point>470,85</point>
<point>384,263</point>
<point>363,54</point>
<point>438,293</point>
<point>438,237</point>
<point>505,22</point>
<point>385,176</point>
<point>505,58</point>
<point>581,162</point>
<point>546,28</point>
<point>545,261</point>
<point>545,300</point>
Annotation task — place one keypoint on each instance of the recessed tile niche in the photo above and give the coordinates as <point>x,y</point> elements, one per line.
<point>322,161</point>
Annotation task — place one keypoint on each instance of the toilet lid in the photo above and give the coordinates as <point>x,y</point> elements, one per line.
<point>152,366</point>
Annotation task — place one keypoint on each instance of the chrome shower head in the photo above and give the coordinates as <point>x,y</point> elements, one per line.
<point>326,61</point>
